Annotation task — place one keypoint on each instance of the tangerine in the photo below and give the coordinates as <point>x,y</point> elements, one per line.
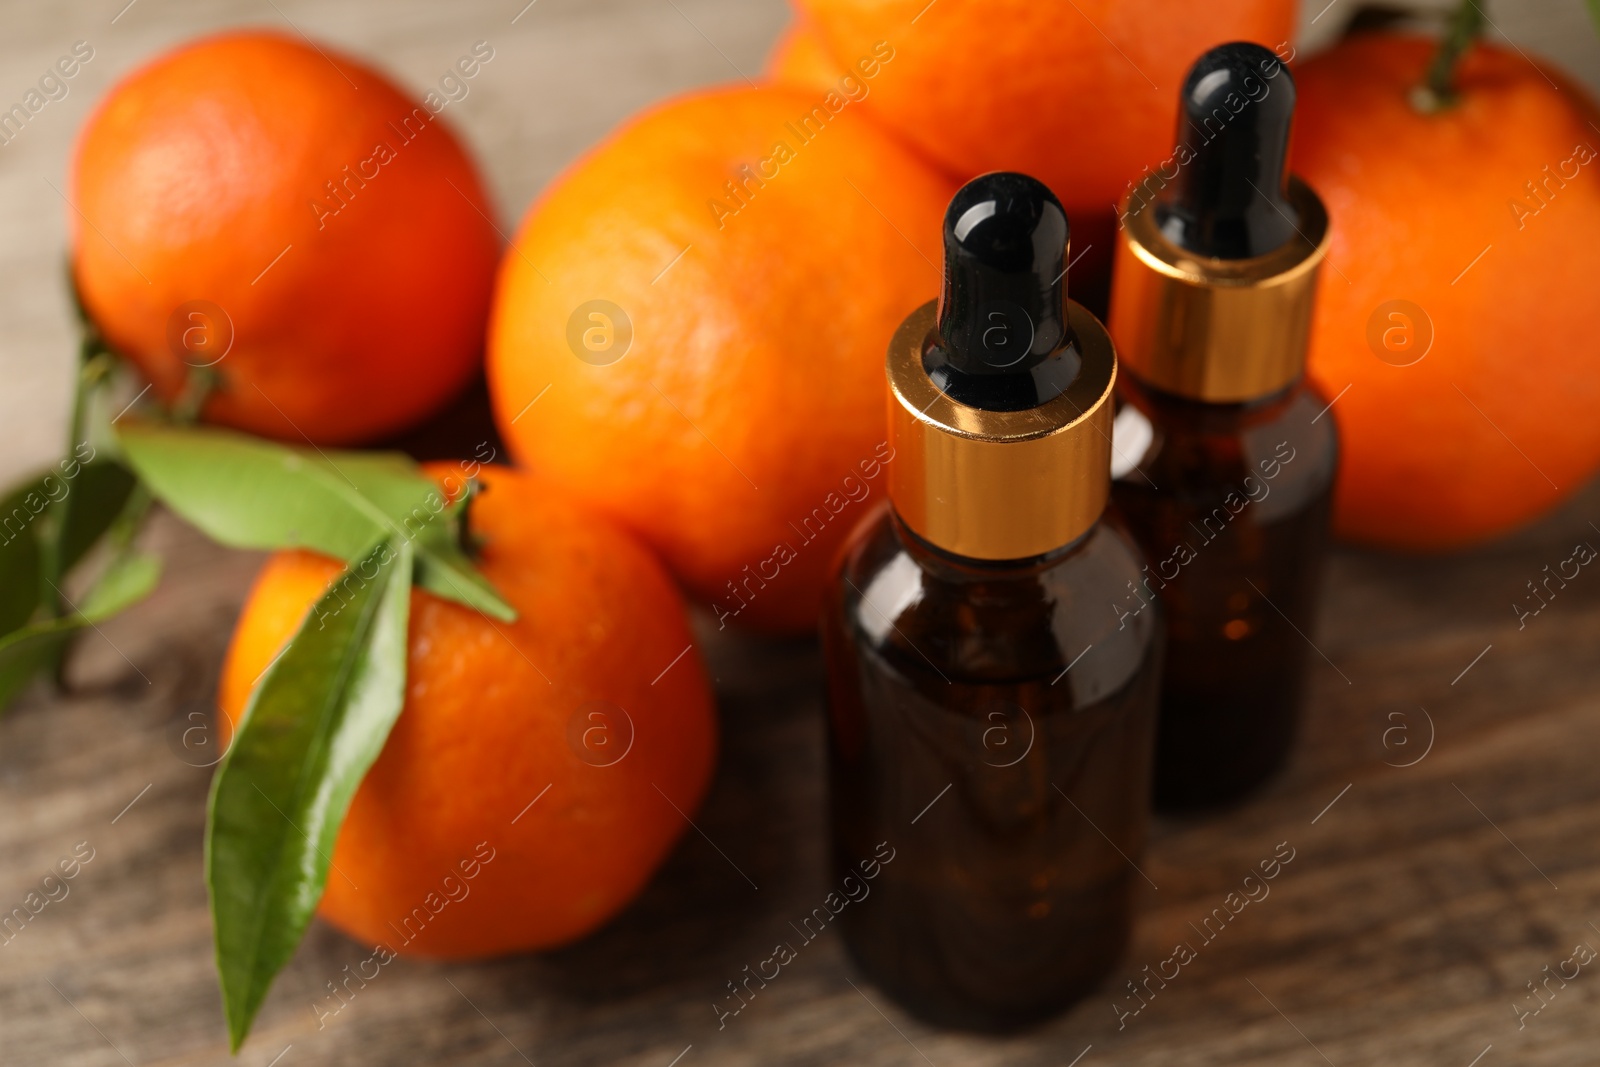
<point>707,299</point>
<point>800,59</point>
<point>1081,95</point>
<point>287,217</point>
<point>541,770</point>
<point>1454,319</point>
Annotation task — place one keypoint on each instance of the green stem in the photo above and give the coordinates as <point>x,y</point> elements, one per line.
<point>94,363</point>
<point>1438,90</point>
<point>197,387</point>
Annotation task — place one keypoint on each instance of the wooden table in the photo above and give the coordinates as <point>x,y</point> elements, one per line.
<point>1420,902</point>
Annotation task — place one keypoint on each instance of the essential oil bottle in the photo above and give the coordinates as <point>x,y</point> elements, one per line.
<point>991,722</point>
<point>1225,456</point>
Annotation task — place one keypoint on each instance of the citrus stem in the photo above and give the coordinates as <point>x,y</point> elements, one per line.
<point>1438,90</point>
<point>93,366</point>
<point>197,387</point>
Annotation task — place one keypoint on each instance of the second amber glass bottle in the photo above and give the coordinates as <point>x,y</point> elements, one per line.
<point>991,723</point>
<point>1226,457</point>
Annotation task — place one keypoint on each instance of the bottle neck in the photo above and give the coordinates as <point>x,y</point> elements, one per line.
<point>1175,412</point>
<point>956,569</point>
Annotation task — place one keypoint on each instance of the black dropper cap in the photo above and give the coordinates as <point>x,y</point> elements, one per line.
<point>1230,200</point>
<point>1002,315</point>
<point>1005,247</point>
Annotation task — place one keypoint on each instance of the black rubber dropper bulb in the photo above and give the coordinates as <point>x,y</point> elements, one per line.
<point>1230,200</point>
<point>1002,313</point>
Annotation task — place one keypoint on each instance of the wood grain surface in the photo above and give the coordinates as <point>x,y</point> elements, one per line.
<point>1420,902</point>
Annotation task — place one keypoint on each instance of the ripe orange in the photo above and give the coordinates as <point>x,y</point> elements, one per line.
<point>800,60</point>
<point>585,696</point>
<point>287,216</point>
<point>1082,95</point>
<point>1482,219</point>
<point>707,299</point>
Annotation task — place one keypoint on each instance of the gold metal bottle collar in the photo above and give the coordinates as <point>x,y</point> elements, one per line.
<point>1000,485</point>
<point>1220,330</point>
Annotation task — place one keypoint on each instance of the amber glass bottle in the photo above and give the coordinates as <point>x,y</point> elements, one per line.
<point>991,719</point>
<point>1231,502</point>
<point>1226,458</point>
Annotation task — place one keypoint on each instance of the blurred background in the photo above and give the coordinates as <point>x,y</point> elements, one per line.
<point>566,72</point>
<point>1426,900</point>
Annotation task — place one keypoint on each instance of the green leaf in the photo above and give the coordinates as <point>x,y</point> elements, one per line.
<point>1594,12</point>
<point>26,652</point>
<point>19,554</point>
<point>447,572</point>
<point>98,495</point>
<point>127,581</point>
<point>70,512</point>
<point>315,723</point>
<point>249,493</point>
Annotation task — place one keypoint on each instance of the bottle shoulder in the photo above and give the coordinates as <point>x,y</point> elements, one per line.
<point>1082,619</point>
<point>1281,455</point>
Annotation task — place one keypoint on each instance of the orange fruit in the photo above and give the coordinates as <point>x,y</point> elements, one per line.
<point>1455,314</point>
<point>288,217</point>
<point>707,299</point>
<point>593,707</point>
<point>1080,95</point>
<point>800,60</point>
